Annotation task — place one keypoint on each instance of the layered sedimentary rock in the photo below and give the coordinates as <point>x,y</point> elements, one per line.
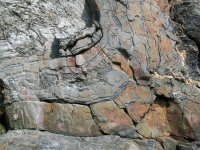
<point>100,67</point>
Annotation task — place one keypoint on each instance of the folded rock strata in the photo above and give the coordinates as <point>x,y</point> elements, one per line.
<point>88,68</point>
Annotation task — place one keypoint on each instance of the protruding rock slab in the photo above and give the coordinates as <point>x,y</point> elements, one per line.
<point>57,118</point>
<point>27,139</point>
<point>110,117</point>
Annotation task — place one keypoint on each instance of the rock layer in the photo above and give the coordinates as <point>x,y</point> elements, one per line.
<point>94,67</point>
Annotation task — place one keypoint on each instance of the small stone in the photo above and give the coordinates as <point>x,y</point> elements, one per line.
<point>80,60</point>
<point>62,53</point>
<point>142,76</point>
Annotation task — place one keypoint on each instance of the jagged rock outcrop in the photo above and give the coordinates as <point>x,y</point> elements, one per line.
<point>187,14</point>
<point>88,68</point>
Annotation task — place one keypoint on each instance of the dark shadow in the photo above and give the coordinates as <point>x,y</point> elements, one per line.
<point>87,15</point>
<point>55,47</point>
<point>91,13</point>
<point>180,128</point>
<point>2,106</point>
<point>185,15</point>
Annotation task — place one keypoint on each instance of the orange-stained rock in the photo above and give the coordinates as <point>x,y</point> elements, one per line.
<point>178,122</point>
<point>144,94</point>
<point>142,76</point>
<point>155,123</point>
<point>137,111</point>
<point>127,96</point>
<point>155,60</point>
<point>134,93</point>
<point>192,113</point>
<point>72,120</point>
<point>68,119</point>
<point>130,72</point>
<point>164,5</point>
<point>91,53</point>
<point>71,61</point>
<point>165,118</point>
<point>119,59</point>
<point>166,45</point>
<point>110,118</point>
<point>164,90</point>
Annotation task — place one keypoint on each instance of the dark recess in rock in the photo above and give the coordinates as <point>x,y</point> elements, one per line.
<point>187,15</point>
<point>3,122</point>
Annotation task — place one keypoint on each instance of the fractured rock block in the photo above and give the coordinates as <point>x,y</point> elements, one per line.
<point>110,118</point>
<point>137,111</point>
<point>134,93</point>
<point>165,118</point>
<point>57,118</point>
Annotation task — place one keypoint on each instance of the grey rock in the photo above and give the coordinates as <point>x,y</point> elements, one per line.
<point>80,60</point>
<point>73,67</point>
<point>187,15</point>
<point>65,119</point>
<point>27,139</point>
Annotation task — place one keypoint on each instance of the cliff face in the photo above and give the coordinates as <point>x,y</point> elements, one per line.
<point>90,68</point>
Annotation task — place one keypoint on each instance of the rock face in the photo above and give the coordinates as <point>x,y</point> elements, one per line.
<point>88,68</point>
<point>26,139</point>
<point>58,118</point>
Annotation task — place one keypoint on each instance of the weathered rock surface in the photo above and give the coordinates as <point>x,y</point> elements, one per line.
<point>57,118</point>
<point>187,15</point>
<point>165,118</point>
<point>135,34</point>
<point>87,68</point>
<point>27,139</point>
<point>110,118</point>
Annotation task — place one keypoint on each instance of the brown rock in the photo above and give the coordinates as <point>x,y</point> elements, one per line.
<point>137,111</point>
<point>134,93</point>
<point>57,118</point>
<point>192,113</point>
<point>110,118</point>
<point>71,120</point>
<point>165,90</point>
<point>142,76</point>
<point>155,123</point>
<point>166,45</point>
<point>144,94</point>
<point>71,61</point>
<point>119,59</point>
<point>127,96</point>
<point>165,118</point>
<point>91,53</point>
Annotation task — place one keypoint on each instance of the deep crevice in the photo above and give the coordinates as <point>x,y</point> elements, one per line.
<point>95,120</point>
<point>3,120</point>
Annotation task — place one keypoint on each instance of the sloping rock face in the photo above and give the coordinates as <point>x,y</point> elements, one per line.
<point>88,68</point>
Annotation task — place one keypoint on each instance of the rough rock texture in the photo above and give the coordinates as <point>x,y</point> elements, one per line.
<point>26,139</point>
<point>58,118</point>
<point>87,68</point>
<point>187,15</point>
